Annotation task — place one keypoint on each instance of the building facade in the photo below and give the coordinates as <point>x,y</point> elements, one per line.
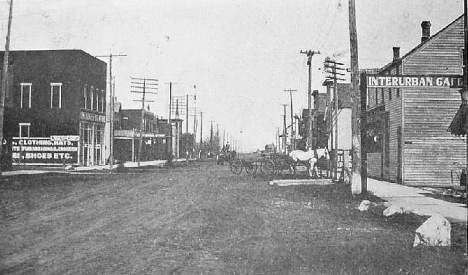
<point>127,136</point>
<point>338,125</point>
<point>410,104</point>
<point>55,108</point>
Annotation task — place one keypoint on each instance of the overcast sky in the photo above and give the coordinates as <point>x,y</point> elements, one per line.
<point>240,54</point>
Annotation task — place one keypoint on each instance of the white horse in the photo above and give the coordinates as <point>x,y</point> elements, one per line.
<point>310,156</point>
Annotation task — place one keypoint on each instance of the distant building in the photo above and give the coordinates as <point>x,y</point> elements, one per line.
<point>173,133</point>
<point>411,104</point>
<point>55,108</point>
<point>127,136</point>
<point>338,124</point>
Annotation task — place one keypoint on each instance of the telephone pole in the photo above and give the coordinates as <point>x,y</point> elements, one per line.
<point>110,111</point>
<point>293,133</point>
<point>4,88</point>
<point>201,130</point>
<point>169,143</point>
<point>358,184</point>
<point>284,130</point>
<point>309,54</point>
<point>331,67</point>
<point>142,85</point>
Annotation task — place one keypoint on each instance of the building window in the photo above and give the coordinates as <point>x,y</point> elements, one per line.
<point>91,98</point>
<point>24,130</point>
<point>55,95</point>
<point>97,100</point>
<point>25,95</point>
<point>85,95</point>
<point>103,99</point>
<point>463,56</point>
<point>382,91</point>
<point>376,97</point>
<point>390,94</point>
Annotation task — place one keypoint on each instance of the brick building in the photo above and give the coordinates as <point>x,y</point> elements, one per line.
<point>55,108</point>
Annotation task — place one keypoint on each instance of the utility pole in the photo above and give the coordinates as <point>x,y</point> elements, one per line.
<point>110,111</point>
<point>201,130</point>
<point>224,137</point>
<point>309,54</point>
<point>284,129</point>
<point>277,138</point>
<point>142,85</point>
<point>169,144</point>
<point>293,141</point>
<point>186,116</point>
<point>358,184</point>
<point>6,63</point>
<point>332,67</point>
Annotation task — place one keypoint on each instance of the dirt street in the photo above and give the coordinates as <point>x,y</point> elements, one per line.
<point>201,219</point>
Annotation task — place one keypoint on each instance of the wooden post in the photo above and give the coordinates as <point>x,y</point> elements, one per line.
<point>357,188</point>
<point>363,89</point>
<point>345,172</point>
<point>4,84</point>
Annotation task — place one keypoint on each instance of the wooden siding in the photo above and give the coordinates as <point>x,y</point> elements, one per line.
<point>423,114</point>
<point>430,149</point>
<point>440,55</point>
<point>374,165</point>
<point>394,107</point>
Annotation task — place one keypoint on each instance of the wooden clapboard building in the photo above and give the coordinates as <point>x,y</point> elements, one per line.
<point>407,117</point>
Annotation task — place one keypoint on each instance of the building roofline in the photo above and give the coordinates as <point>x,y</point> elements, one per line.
<point>55,50</point>
<point>430,39</point>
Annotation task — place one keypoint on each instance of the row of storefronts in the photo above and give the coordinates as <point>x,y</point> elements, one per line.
<point>55,114</point>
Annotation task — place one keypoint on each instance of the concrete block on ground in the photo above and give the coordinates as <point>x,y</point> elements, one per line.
<point>435,231</point>
<point>395,209</point>
<point>364,205</point>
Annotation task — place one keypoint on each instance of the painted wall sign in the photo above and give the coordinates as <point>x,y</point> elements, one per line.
<point>92,117</point>
<point>45,150</point>
<point>381,81</point>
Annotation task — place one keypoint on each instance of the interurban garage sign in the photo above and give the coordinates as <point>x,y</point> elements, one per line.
<point>450,81</point>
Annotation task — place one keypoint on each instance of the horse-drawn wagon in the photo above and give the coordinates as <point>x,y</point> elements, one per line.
<point>275,165</point>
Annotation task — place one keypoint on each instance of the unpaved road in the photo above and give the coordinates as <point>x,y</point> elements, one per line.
<point>201,219</point>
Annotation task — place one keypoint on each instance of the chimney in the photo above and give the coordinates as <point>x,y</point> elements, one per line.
<point>426,30</point>
<point>396,53</point>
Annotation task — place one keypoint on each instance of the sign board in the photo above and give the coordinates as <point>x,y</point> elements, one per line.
<point>46,150</point>
<point>399,81</point>
<point>92,117</point>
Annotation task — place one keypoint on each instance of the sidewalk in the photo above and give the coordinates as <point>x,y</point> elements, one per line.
<point>413,198</point>
<point>44,170</point>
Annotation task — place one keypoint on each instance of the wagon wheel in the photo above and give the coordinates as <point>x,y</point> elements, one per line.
<point>250,167</point>
<point>236,166</point>
<point>267,168</point>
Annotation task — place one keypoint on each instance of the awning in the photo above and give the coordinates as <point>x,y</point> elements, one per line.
<point>459,125</point>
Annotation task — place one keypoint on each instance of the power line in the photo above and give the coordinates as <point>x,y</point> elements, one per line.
<point>330,28</point>
<point>143,86</point>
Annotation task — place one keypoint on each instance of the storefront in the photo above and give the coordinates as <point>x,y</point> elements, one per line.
<point>91,139</point>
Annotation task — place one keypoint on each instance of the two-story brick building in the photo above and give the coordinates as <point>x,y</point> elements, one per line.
<point>55,108</point>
